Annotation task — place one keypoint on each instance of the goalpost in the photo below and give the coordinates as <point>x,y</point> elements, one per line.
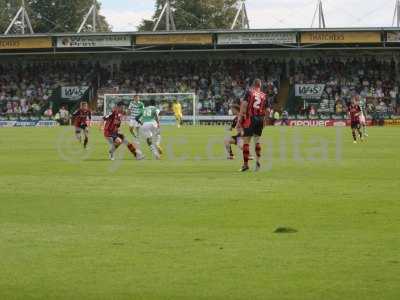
<point>163,101</point>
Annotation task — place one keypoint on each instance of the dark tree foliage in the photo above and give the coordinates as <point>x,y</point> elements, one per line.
<point>51,15</point>
<point>196,14</point>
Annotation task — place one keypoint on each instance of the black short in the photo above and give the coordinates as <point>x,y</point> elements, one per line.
<point>79,129</point>
<point>355,125</point>
<point>115,136</point>
<point>236,138</point>
<point>256,127</point>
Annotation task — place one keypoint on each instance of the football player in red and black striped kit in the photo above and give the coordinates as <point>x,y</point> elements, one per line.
<point>82,118</point>
<point>355,114</point>
<point>112,123</point>
<point>251,122</point>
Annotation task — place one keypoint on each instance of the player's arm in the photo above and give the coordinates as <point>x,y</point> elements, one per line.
<point>141,112</point>
<point>130,107</point>
<point>265,111</point>
<point>103,121</point>
<point>75,114</point>
<point>359,112</point>
<point>90,118</point>
<point>242,115</point>
<point>141,108</point>
<point>243,111</point>
<point>107,117</point>
<point>233,125</point>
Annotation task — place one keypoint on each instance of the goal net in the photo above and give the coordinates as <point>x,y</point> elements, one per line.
<point>164,102</point>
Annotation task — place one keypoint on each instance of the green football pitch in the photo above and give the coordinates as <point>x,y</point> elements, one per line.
<point>74,225</point>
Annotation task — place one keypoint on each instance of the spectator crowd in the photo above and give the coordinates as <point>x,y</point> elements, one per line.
<point>376,81</point>
<point>26,89</point>
<point>217,83</point>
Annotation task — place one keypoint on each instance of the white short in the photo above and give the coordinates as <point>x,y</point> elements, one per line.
<point>133,123</point>
<point>149,130</point>
<point>362,120</point>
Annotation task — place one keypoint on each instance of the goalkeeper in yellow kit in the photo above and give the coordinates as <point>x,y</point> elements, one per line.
<point>177,108</point>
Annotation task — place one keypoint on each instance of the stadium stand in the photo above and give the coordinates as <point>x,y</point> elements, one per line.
<point>27,89</point>
<point>218,83</point>
<point>375,80</point>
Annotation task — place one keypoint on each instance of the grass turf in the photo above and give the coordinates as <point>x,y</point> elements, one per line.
<point>191,226</point>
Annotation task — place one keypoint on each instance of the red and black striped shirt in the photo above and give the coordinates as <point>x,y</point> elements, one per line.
<point>256,103</point>
<point>113,123</point>
<point>82,117</point>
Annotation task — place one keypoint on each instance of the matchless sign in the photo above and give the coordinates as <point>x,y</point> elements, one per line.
<point>340,37</point>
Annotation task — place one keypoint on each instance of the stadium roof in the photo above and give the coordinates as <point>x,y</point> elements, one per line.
<point>284,39</point>
<point>215,31</point>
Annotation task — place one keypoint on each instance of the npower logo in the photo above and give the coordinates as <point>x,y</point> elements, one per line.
<point>311,123</point>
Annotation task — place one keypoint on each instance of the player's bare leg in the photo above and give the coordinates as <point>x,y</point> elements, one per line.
<point>116,143</point>
<point>135,134</point>
<point>136,142</point>
<point>158,141</point>
<point>240,143</point>
<point>153,148</point>
<point>113,148</point>
<point>360,133</point>
<point>258,150</point>
<point>160,149</point>
<point>178,121</point>
<point>132,131</point>
<point>134,149</point>
<point>353,131</point>
<point>78,135</point>
<point>228,147</point>
<point>136,139</point>
<point>86,139</point>
<point>363,125</point>
<point>364,129</point>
